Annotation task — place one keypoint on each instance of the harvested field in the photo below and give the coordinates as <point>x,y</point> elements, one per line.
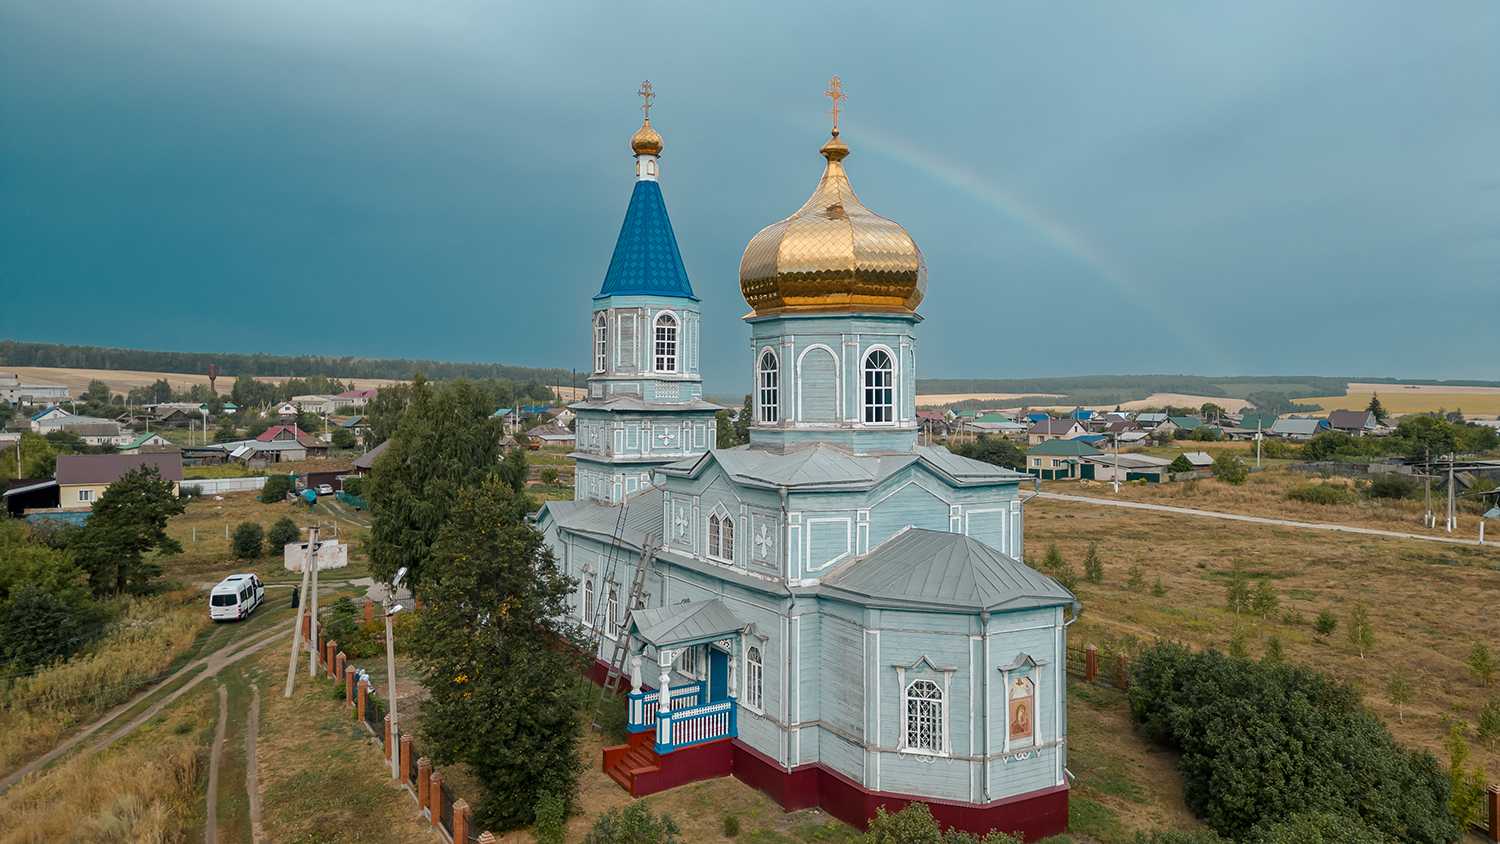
<point>1414,398</point>
<point>1428,604</point>
<point>941,399</point>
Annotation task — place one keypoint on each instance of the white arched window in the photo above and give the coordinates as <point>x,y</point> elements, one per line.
<point>588,599</point>
<point>612,606</point>
<point>721,537</point>
<point>924,716</point>
<point>666,343</point>
<point>754,678</point>
<point>880,392</point>
<point>770,386</point>
<point>601,344</point>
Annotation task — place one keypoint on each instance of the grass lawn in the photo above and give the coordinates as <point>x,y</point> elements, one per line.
<point>207,554</point>
<point>1428,603</point>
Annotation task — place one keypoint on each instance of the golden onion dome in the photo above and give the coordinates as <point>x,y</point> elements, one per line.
<point>833,254</point>
<point>646,140</point>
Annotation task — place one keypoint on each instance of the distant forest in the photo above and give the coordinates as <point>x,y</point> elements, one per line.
<point>17,353</point>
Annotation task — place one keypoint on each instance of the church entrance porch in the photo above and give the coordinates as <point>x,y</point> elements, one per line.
<point>682,735</point>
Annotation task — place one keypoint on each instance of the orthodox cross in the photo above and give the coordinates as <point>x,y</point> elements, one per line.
<point>648,94</point>
<point>762,542</point>
<point>835,92</point>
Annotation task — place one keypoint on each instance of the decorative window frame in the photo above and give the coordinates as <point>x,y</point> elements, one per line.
<point>711,538</point>
<point>611,610</point>
<point>925,669</point>
<point>676,356</point>
<point>586,598</point>
<point>601,342</point>
<point>764,391</point>
<point>893,387</point>
<point>1027,666</point>
<point>754,702</point>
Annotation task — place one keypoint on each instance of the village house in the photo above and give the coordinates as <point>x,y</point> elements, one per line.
<point>1353,422</point>
<point>1298,428</point>
<point>147,441</point>
<point>47,416</point>
<point>1056,460</point>
<point>833,613</point>
<point>311,446</point>
<point>1124,467</point>
<point>83,478</point>
<point>16,390</point>
<point>1054,429</point>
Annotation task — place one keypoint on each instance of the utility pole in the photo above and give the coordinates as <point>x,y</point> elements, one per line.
<point>1427,520</point>
<point>1452,513</point>
<point>291,665</point>
<point>312,627</point>
<point>1258,437</point>
<point>1117,462</point>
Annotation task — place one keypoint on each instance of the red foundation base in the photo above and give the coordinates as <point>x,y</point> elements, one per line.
<point>1035,815</point>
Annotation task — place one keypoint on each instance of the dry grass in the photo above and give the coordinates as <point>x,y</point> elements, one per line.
<point>205,527</point>
<point>322,776</point>
<point>143,789</point>
<point>1475,401</point>
<point>1428,603</point>
<point>39,709</point>
<point>1265,494</point>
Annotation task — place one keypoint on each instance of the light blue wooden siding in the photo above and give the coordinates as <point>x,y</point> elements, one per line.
<point>817,386</point>
<point>841,704</point>
<point>911,506</point>
<point>989,525</point>
<point>1035,633</point>
<point>829,539</point>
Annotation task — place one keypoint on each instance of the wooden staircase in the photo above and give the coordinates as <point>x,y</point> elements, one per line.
<point>624,763</point>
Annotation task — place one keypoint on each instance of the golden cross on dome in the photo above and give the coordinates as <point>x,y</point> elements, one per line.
<point>647,95</point>
<point>835,92</point>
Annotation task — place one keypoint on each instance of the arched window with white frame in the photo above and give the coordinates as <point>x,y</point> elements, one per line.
<point>588,598</point>
<point>879,387</point>
<point>924,716</point>
<point>666,343</point>
<point>754,679</point>
<point>612,606</point>
<point>721,537</point>
<point>601,343</point>
<point>770,387</point>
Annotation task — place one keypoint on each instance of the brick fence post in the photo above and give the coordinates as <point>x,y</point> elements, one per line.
<point>306,627</point>
<point>406,758</point>
<point>328,657</point>
<point>461,821</point>
<point>1493,799</point>
<point>364,692</point>
<point>1122,678</point>
<point>369,611</point>
<point>1090,663</point>
<point>435,797</point>
<point>424,782</point>
<point>388,737</point>
<point>338,664</point>
<point>349,684</point>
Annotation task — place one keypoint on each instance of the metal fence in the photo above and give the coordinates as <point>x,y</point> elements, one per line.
<point>375,714</point>
<point>445,808</point>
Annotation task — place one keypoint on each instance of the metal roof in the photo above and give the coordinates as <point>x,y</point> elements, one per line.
<point>367,460</point>
<point>937,569</point>
<point>1063,448</point>
<point>824,466</point>
<point>1298,426</point>
<point>107,468</point>
<point>646,260</point>
<point>686,624</point>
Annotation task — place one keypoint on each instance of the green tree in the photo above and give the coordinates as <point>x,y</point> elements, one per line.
<point>283,532</point>
<point>550,826</point>
<point>633,824</point>
<point>1361,632</point>
<point>1398,692</point>
<point>1466,786</point>
<point>1425,436</point>
<point>1239,645</point>
<point>446,441</point>
<point>1053,559</point>
<point>1264,602</point>
<point>1158,589</point>
<point>997,451</point>
<point>1136,578</point>
<point>248,541</point>
<point>226,431</point>
<point>1180,464</point>
<point>1229,468</point>
<point>1325,623</point>
<point>742,422</point>
<point>1376,408</point>
<point>497,655</point>
<point>724,430</point>
<point>128,521</point>
<point>1488,726</point>
<point>46,613</point>
<point>1093,567</point>
<point>1237,591</point>
<point>1482,664</point>
<point>343,438</point>
<point>383,413</point>
<point>1273,652</point>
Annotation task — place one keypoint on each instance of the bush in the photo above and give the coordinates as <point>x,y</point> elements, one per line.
<point>1093,567</point>
<point>1327,622</point>
<point>354,485</point>
<point>1261,742</point>
<point>730,826</point>
<point>343,621</point>
<point>1180,464</point>
<point>915,825</point>
<point>248,538</point>
<point>1321,493</point>
<point>633,824</point>
<point>343,438</point>
<point>276,489</point>
<point>551,819</point>
<point>1318,828</point>
<point>40,625</point>
<point>548,475</point>
<point>1392,485</point>
<point>283,533</point>
<point>1230,469</point>
<point>1279,449</point>
<point>1206,836</point>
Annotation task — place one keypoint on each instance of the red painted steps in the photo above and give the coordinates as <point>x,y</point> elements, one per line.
<point>625,762</point>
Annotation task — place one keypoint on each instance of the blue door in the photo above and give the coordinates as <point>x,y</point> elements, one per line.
<point>718,675</point>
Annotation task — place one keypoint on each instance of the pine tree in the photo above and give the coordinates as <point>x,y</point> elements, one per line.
<point>1136,580</point>
<point>1093,567</point>
<point>1273,650</point>
<point>1325,624</point>
<point>1482,663</point>
<point>128,520</point>
<point>495,652</point>
<point>742,424</point>
<point>1237,591</point>
<point>1264,602</point>
<point>1376,408</point>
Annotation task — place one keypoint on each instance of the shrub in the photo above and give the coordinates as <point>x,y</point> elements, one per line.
<point>550,826</point>
<point>1273,650</point>
<point>1320,493</point>
<point>1206,836</point>
<point>548,475</point>
<point>1158,589</point>
<point>1093,567</point>
<point>730,826</point>
<point>1137,578</point>
<point>1466,786</point>
<point>283,533</point>
<point>1232,722</point>
<point>915,825</point>
<point>354,485</point>
<point>276,488</point>
<point>1264,601</point>
<point>248,538</point>
<point>1391,485</point>
<point>1361,632</point>
<point>1482,664</point>
<point>1488,728</point>
<point>1327,622</point>
<point>1230,469</point>
<point>343,438</point>
<point>634,824</point>
<point>1180,464</point>
<point>1318,828</point>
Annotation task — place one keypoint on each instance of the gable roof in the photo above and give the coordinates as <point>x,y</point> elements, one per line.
<point>46,410</point>
<point>1253,420</point>
<point>1199,458</point>
<point>1151,417</point>
<point>1063,448</point>
<point>1351,419</point>
<point>142,438</point>
<point>107,468</point>
<point>300,435</point>
<point>1186,423</point>
<point>928,568</point>
<point>1054,426</point>
<point>367,460</point>
<point>1299,426</point>
<point>646,260</point>
<point>685,624</point>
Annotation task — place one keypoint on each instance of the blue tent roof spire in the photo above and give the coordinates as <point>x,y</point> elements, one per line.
<point>646,260</point>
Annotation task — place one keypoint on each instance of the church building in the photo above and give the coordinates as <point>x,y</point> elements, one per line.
<point>833,613</point>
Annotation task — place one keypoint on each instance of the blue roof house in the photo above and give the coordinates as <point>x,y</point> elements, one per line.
<point>834,613</point>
